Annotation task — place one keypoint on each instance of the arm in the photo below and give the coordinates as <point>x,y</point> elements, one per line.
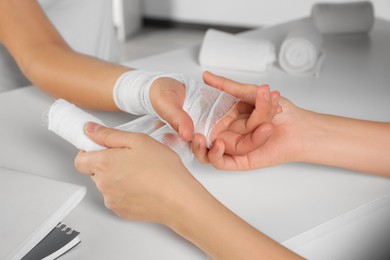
<point>46,59</point>
<point>166,193</point>
<point>50,64</point>
<point>306,136</point>
<point>347,143</point>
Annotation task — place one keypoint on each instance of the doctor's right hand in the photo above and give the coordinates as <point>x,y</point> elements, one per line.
<point>285,144</point>
<point>139,178</point>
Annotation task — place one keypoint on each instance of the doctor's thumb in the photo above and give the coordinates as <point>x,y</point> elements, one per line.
<point>105,136</point>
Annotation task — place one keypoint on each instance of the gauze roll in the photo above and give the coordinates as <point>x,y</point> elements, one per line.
<point>131,91</point>
<point>226,51</point>
<point>300,51</point>
<point>68,121</point>
<point>337,18</point>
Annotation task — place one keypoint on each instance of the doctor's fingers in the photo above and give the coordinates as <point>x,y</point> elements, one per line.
<point>113,138</point>
<point>238,144</point>
<point>199,148</point>
<point>87,162</point>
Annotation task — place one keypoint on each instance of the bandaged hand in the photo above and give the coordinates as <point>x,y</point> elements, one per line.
<point>158,94</point>
<point>199,108</point>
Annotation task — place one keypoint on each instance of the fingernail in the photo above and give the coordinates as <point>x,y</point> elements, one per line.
<point>267,94</point>
<point>92,127</point>
<point>196,143</point>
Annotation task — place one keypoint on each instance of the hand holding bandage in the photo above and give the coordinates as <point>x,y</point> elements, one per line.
<point>213,112</point>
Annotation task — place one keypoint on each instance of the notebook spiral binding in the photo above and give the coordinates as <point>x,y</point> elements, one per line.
<point>64,227</point>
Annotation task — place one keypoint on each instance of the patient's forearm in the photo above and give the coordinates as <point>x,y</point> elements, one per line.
<point>80,79</point>
<point>47,60</point>
<point>348,143</point>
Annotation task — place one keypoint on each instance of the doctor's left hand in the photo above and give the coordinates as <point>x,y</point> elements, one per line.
<point>139,178</point>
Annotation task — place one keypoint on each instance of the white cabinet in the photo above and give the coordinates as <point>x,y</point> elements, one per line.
<point>127,15</point>
<point>248,13</point>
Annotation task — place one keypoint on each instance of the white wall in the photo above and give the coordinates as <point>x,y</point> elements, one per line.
<point>240,12</point>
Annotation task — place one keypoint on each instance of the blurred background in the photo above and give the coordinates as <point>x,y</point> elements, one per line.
<point>147,27</point>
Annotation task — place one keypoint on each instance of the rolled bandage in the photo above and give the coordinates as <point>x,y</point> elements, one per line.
<point>300,52</point>
<point>131,91</point>
<point>68,121</point>
<point>227,51</point>
<point>338,18</point>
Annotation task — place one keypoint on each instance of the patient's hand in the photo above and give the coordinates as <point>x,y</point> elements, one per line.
<point>247,127</point>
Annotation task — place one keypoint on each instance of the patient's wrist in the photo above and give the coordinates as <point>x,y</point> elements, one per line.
<point>131,91</point>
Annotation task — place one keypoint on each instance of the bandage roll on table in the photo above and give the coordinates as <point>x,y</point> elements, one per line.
<point>226,51</point>
<point>338,18</point>
<point>300,51</point>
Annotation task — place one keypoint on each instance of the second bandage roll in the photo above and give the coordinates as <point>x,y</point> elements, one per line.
<point>300,52</point>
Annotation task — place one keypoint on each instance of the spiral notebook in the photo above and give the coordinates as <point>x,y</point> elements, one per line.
<point>31,207</point>
<point>60,240</point>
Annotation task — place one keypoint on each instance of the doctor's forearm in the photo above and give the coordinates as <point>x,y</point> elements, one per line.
<point>347,143</point>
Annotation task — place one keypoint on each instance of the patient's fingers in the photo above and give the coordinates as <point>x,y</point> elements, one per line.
<point>167,96</point>
<point>172,112</point>
<point>245,92</point>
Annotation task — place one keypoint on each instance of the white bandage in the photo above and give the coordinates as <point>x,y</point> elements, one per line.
<point>68,121</point>
<point>131,91</point>
<point>338,18</point>
<point>227,51</point>
<point>204,104</point>
<point>301,51</point>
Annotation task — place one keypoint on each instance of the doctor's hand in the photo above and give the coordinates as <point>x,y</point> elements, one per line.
<point>283,145</point>
<point>139,178</point>
<point>246,126</point>
<point>142,179</point>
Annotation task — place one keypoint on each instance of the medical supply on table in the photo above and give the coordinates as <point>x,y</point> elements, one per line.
<point>301,51</point>
<point>223,50</point>
<point>339,18</point>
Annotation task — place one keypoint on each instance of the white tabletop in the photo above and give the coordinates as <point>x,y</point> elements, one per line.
<point>296,204</point>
